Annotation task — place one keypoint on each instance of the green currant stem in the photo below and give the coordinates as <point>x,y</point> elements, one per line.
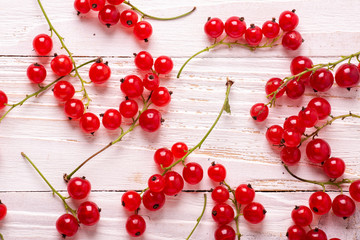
<point>237,208</point>
<point>61,39</point>
<point>1,237</point>
<point>198,219</point>
<point>143,15</point>
<point>35,94</point>
<point>67,207</point>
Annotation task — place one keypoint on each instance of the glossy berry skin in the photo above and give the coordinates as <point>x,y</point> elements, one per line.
<point>294,89</point>
<point>235,27</point>
<point>99,73</point>
<point>135,225</point>
<point>82,6</point>
<point>217,172</point>
<point>343,206</point>
<point>143,30</point>
<point>322,80</point>
<point>151,81</point>
<point>222,213</point>
<point>320,203</point>
<point>3,211</point>
<point>347,75</point>
<point>42,44</point>
<point>150,120</point>
<point>88,213</point>
<point>288,20</point>
<point>156,183</point>
<point>316,234</point>
<point>291,137</point>
<point>144,61</point>
<point>36,73</point>
<point>161,97</point>
<point>153,201</point>
<point>163,65</point>
<point>272,85</point>
<point>290,155</point>
<point>179,149</point>
<point>296,232</point>
<point>354,190</point>
<point>131,200</point>
<point>309,117</point>
<point>115,2</point>
<point>214,27</point>
<point>78,188</point>
<point>254,212</point>
<point>97,5</point>
<point>128,18</point>
<point>220,194</point>
<point>271,29</point>
<point>292,40</point>
<point>302,216</point>
<point>274,134</point>
<point>244,194</point>
<point>63,91</point>
<point>89,123</point>
<point>61,65</point>
<point>174,183</point>
<point>193,173</point>
<point>334,167</point>
<point>318,150</point>
<point>3,99</point>
<point>109,15</point>
<point>253,35</point>
<point>74,108</point>
<point>296,123</point>
<point>111,119</point>
<point>67,225</point>
<point>322,107</point>
<point>128,108</point>
<point>132,86</point>
<point>300,64</point>
<point>225,232</point>
<point>163,157</point>
<point>259,112</point>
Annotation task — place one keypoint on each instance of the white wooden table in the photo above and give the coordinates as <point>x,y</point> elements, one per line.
<point>331,28</point>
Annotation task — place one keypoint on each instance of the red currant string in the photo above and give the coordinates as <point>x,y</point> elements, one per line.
<point>199,218</point>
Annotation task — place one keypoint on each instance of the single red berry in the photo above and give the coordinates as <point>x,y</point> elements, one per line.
<point>63,91</point>
<point>271,29</point>
<point>82,6</point>
<point>296,232</point>
<point>318,150</point>
<point>88,213</point>
<point>131,200</point>
<point>288,20</point>
<point>217,172</point>
<point>3,211</point>
<point>343,206</point>
<point>244,194</point>
<point>61,65</point>
<point>334,167</point>
<point>222,213</point>
<point>132,86</point>
<point>109,15</point>
<point>135,225</point>
<point>179,149</point>
<point>163,157</point>
<point>97,5</point>
<point>296,123</point>
<point>214,27</point>
<point>128,18</point>
<point>150,120</point>
<point>347,75</point>
<point>274,134</point>
<point>42,44</point>
<point>89,123</point>
<point>322,107</point>
<point>290,155</point>
<point>163,65</point>
<point>99,72</point>
<point>156,183</point>
<point>235,27</point>
<point>292,40</point>
<point>320,203</point>
<point>291,137</point>
<point>3,99</point>
<point>322,80</point>
<point>299,65</point>
<point>302,216</point>
<point>309,116</point>
<point>67,225</point>
<point>253,35</point>
<point>193,173</point>
<point>335,239</point>
<point>74,108</point>
<point>78,188</point>
<point>36,73</point>
<point>115,2</point>
<point>273,85</point>
<point>225,232</point>
<point>294,89</point>
<point>354,190</point>
<point>174,183</point>
<point>259,112</point>
<point>144,61</point>
<point>111,119</point>
<point>151,81</point>
<point>161,97</point>
<point>220,194</point>
<point>143,30</point>
<point>316,234</point>
<point>128,108</point>
<point>153,201</point>
<point>254,212</point>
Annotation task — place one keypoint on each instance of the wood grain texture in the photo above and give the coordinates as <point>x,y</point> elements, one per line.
<point>57,146</point>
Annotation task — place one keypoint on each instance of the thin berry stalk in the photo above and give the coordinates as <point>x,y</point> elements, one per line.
<point>237,209</point>
<point>199,218</point>
<point>1,237</point>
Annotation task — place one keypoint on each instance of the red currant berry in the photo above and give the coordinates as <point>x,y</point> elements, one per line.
<point>163,157</point>
<point>174,183</point>
<point>128,108</point>
<point>354,190</point>
<point>36,73</point>
<point>163,65</point>
<point>320,203</point>
<point>316,234</point>
<point>74,108</point>
<point>294,89</point>
<point>156,183</point>
<point>290,155</point>
<point>220,194</point>
<point>334,167</point>
<point>3,211</point>
<point>132,86</point>
<point>335,239</point>
<point>128,18</point>
<point>109,15</point>
<point>214,27</point>
<point>295,232</point>
<point>244,194</point>
<point>296,123</point>
<point>343,206</point>
<point>143,30</point>
<point>97,5</point>
<point>82,6</point>
<point>322,80</point>
<point>309,117</point>
<point>78,188</point>
<point>217,172</point>
<point>67,225</point>
<point>111,119</point>
<point>42,44</point>
<point>150,120</point>
<point>288,20</point>
<point>291,137</point>
<point>99,72</point>
<point>301,64</point>
<point>153,201</point>
<point>63,91</point>
<point>292,40</point>
<point>131,200</point>
<point>115,2</point>
<point>322,107</point>
<point>235,27</point>
<point>259,112</point>
<point>253,35</point>
<point>271,29</point>
<point>302,216</point>
<point>193,173</point>
<point>225,232</point>
<point>61,65</point>
<point>254,213</point>
<point>179,149</point>
<point>222,213</point>
<point>89,123</point>
<point>318,150</point>
<point>151,81</point>
<point>144,61</point>
<point>347,75</point>
<point>273,85</point>
<point>88,213</point>
<point>274,134</point>
<point>161,97</point>
<point>135,225</point>
<point>3,99</point>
